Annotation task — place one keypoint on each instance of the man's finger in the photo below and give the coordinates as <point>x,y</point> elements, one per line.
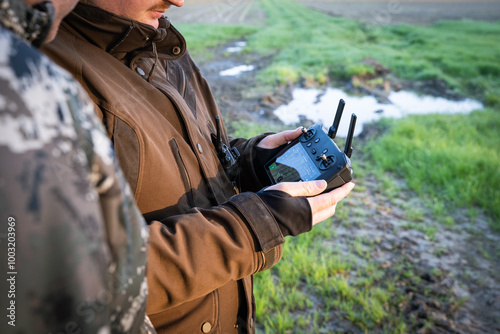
<point>328,201</point>
<point>308,188</point>
<point>323,215</point>
<point>331,198</point>
<point>341,192</point>
<point>291,134</point>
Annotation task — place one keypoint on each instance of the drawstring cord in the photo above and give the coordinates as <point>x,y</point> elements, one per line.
<point>153,44</point>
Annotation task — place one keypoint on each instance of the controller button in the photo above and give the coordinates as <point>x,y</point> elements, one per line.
<point>309,144</point>
<point>327,161</point>
<point>313,151</point>
<point>307,135</point>
<point>317,140</point>
<point>325,150</point>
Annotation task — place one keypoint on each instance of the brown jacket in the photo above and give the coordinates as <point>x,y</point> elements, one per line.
<point>205,241</point>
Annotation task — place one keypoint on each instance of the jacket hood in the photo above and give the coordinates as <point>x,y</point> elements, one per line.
<point>30,23</point>
<point>121,36</point>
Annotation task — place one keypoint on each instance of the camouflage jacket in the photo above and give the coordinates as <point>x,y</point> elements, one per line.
<point>73,244</point>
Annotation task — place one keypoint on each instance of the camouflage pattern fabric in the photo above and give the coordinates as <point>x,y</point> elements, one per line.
<point>30,23</point>
<point>73,244</point>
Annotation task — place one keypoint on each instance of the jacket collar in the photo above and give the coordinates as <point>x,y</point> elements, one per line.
<point>121,36</point>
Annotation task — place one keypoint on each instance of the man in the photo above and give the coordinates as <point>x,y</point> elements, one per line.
<point>73,243</point>
<point>206,238</point>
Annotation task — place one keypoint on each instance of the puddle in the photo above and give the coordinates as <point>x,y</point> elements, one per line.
<point>320,106</point>
<point>237,70</point>
<point>237,47</point>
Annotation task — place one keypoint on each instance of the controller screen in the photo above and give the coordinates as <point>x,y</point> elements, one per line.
<point>293,165</point>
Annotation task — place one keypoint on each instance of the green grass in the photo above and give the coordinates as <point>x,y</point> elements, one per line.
<point>200,38</point>
<point>244,129</point>
<point>449,159</point>
<point>429,231</point>
<point>318,282</point>
<point>317,47</point>
<point>306,44</point>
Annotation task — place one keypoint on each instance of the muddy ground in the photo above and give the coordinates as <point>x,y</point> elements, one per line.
<point>458,265</point>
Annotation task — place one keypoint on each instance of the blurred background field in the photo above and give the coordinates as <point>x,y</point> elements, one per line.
<point>416,248</point>
<point>386,12</point>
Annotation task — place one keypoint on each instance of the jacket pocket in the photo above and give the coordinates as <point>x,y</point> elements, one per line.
<point>197,316</point>
<point>183,171</point>
<point>127,150</point>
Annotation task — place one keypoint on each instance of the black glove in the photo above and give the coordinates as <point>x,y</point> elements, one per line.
<point>293,214</point>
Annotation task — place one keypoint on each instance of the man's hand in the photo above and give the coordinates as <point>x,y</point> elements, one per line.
<point>322,206</point>
<point>278,139</point>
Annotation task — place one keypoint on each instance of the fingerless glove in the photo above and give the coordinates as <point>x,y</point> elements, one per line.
<point>293,214</point>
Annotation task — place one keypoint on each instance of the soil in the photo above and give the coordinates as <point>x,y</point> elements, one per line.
<point>458,267</point>
<point>456,272</point>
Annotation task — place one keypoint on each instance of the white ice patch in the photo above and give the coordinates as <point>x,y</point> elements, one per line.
<point>236,70</point>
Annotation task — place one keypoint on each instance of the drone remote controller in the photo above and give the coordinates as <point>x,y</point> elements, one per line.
<point>315,156</point>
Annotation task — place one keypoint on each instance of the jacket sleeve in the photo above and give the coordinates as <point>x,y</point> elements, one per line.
<point>232,241</point>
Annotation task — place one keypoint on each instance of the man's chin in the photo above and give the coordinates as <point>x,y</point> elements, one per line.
<point>153,22</point>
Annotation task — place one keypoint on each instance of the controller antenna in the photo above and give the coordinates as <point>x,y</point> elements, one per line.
<point>332,132</point>
<point>348,143</point>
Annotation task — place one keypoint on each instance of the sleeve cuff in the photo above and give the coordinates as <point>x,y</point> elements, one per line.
<point>260,219</point>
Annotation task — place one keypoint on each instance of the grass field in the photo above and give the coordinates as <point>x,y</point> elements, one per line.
<point>451,162</point>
